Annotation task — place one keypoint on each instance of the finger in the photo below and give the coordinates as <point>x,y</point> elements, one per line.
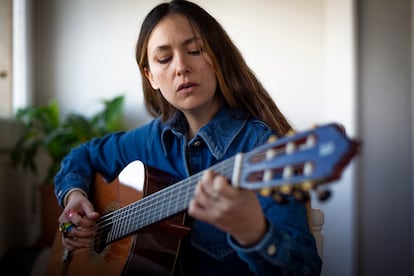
<point>89,211</point>
<point>207,184</point>
<point>68,246</point>
<point>71,215</point>
<point>207,176</point>
<point>76,237</point>
<point>202,206</point>
<point>221,188</point>
<point>84,233</point>
<point>197,210</point>
<point>201,197</point>
<point>84,220</point>
<point>76,243</point>
<point>199,203</point>
<point>77,223</point>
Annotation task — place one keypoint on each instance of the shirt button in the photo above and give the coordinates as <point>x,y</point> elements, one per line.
<point>271,250</point>
<point>197,143</point>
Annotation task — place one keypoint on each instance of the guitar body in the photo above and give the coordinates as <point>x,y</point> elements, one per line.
<point>150,251</point>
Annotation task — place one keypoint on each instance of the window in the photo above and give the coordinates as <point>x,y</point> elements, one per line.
<point>15,56</point>
<point>6,58</point>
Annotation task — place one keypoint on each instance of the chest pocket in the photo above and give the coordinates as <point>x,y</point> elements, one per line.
<point>210,240</point>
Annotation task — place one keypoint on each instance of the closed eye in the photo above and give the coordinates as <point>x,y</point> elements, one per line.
<point>164,60</point>
<point>195,52</point>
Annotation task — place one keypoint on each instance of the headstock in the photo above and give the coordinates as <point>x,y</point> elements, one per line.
<point>298,163</point>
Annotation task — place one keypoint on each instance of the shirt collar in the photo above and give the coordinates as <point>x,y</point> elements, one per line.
<point>218,134</point>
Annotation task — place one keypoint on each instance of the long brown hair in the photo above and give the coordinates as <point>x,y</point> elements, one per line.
<point>238,86</point>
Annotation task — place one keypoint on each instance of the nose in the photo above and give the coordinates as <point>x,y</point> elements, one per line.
<point>182,65</point>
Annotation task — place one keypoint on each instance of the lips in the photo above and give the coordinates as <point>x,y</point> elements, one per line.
<point>186,85</point>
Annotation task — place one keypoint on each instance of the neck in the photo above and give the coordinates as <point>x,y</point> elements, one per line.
<point>196,120</point>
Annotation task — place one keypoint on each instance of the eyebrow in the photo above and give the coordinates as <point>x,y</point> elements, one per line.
<point>184,43</point>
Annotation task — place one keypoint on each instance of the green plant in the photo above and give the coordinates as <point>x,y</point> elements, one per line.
<point>44,130</point>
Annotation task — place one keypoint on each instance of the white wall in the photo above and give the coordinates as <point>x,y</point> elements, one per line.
<point>385,194</point>
<point>302,51</point>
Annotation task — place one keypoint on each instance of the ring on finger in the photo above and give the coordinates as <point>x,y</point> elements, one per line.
<point>65,229</point>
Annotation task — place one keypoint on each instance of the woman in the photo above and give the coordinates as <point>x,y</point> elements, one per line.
<point>208,106</point>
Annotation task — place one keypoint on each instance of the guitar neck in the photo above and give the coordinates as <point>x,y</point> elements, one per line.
<point>157,206</point>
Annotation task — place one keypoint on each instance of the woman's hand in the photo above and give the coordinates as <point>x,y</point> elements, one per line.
<point>233,210</point>
<point>80,217</point>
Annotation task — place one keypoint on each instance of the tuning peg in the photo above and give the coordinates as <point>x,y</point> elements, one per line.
<point>301,196</point>
<point>271,139</point>
<point>265,192</point>
<point>277,196</point>
<point>323,195</point>
<point>280,198</point>
<point>341,128</point>
<point>286,189</point>
<point>307,186</point>
<point>290,132</point>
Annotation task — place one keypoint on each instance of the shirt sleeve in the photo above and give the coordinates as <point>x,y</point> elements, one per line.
<point>106,155</point>
<point>287,247</point>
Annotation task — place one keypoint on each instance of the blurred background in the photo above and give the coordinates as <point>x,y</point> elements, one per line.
<point>346,61</point>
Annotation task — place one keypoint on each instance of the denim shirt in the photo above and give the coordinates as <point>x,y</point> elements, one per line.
<point>288,247</point>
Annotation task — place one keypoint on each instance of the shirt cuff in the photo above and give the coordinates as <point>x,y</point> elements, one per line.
<point>271,247</point>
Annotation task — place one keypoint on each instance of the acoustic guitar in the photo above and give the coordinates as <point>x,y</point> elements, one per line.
<point>141,228</point>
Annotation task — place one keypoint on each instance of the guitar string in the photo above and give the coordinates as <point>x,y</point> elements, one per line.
<point>149,209</point>
<point>149,205</point>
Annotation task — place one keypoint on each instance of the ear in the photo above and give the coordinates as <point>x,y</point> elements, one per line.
<point>151,79</point>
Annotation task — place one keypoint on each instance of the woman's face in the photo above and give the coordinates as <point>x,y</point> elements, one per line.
<point>179,68</point>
